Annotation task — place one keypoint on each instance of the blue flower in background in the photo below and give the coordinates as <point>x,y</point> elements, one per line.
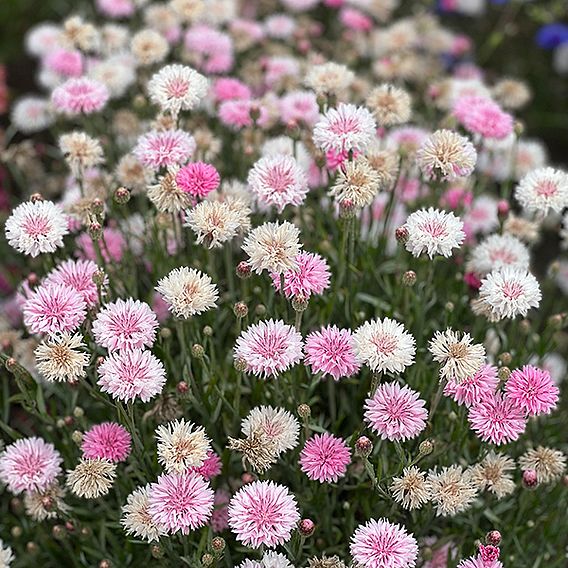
<point>552,35</point>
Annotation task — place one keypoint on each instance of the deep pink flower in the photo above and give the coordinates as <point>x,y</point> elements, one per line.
<point>211,467</point>
<point>483,116</point>
<point>488,553</point>
<point>29,464</point>
<point>80,95</point>
<point>157,149</point>
<point>181,502</point>
<point>125,324</point>
<point>108,441</point>
<point>54,308</point>
<point>263,513</point>
<point>198,179</point>
<point>325,458</point>
<point>497,419</point>
<point>239,113</point>
<point>330,351</point>
<point>112,245</point>
<point>382,544</point>
<point>78,274</point>
<point>532,390</point>
<point>299,107</point>
<point>473,389</point>
<point>395,412</point>
<point>228,88</point>
<point>311,276</point>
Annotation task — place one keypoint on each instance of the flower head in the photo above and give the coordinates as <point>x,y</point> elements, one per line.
<point>474,388</point>
<point>78,274</point>
<point>390,105</point>
<point>136,518</point>
<point>91,478</point>
<point>62,358</point>
<point>411,489</point>
<point>325,458</point>
<point>533,390</point>
<point>497,252</point>
<point>548,464</point>
<point>310,277</point>
<point>452,490</point>
<point>158,149</point>
<point>481,115</point>
<point>80,96</point>
<point>492,474</point>
<point>543,189</point>
<point>198,179</point>
<point>108,441</point>
<point>357,183</point>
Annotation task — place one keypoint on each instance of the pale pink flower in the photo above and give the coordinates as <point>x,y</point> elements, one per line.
<point>211,467</point>
<point>180,502</point>
<point>325,458</point>
<point>355,20</point>
<point>68,63</point>
<point>330,351</point>
<point>237,113</point>
<point>269,348</point>
<point>80,96</point>
<point>128,374</point>
<point>108,441</point>
<point>211,50</point>
<point>395,412</point>
<point>77,274</point>
<point>311,276</point>
<point>29,464</point>
<point>280,26</point>
<point>54,308</point>
<point>532,390</point>
<point>263,513</point>
<point>112,245</point>
<point>116,8</point>
<point>299,107</point>
<point>481,115</point>
<point>198,179</point>
<point>474,388</point>
<point>158,149</point>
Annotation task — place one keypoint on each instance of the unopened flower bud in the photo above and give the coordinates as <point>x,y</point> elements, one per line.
<point>304,411</point>
<point>240,309</point>
<point>218,544</point>
<point>493,538</point>
<point>207,559</point>
<point>77,437</point>
<point>17,531</point>
<point>165,333</point>
<point>409,278</point>
<point>85,533</point>
<point>68,420</point>
<point>32,547</point>
<point>306,527</point>
<point>58,532</point>
<point>300,303</point>
<point>449,306</point>
<point>503,208</point>
<point>504,373</point>
<point>78,412</point>
<point>197,351</point>
<point>95,231</point>
<point>69,526</point>
<point>254,112</point>
<point>363,447</point>
<point>426,447</point>
<point>556,321</point>
<point>99,277</point>
<point>16,505</point>
<point>519,128</point>
<point>260,310</point>
<point>401,234</point>
<point>347,209</point>
<point>530,479</point>
<point>122,195</point>
<point>182,387</point>
<point>97,206</point>
<point>505,358</point>
<point>240,365</point>
<point>32,279</point>
<point>208,331</point>
<point>36,197</point>
<point>157,551</point>
<point>525,326</point>
<point>488,553</point>
<point>11,364</point>
<point>105,563</point>
<point>247,478</point>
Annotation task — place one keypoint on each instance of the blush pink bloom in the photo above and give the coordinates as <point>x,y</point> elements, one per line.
<point>198,179</point>
<point>482,116</point>
<point>311,277</point>
<point>126,375</point>
<point>479,562</point>
<point>180,503</point>
<point>211,467</point>
<point>395,412</point>
<point>158,149</point>
<point>269,348</point>
<point>125,324</point>
<point>497,419</point>
<point>116,8</point>
<point>29,464</point>
<point>68,63</point>
<point>237,113</point>
<point>473,389</point>
<point>299,107</point>
<point>382,544</point>
<point>112,245</point>
<point>330,351</point>
<point>532,390</point>
<point>355,20</point>
<point>54,308</point>
<point>229,88</point>
<point>77,274</point>
<point>263,513</point>
<point>325,458</point>
<point>106,441</point>
<point>211,50</point>
<point>80,96</point>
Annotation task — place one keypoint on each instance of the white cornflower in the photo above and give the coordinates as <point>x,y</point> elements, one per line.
<point>136,518</point>
<point>166,195</point>
<point>329,78</point>
<point>80,151</point>
<point>181,445</point>
<point>497,252</point>
<point>32,114</point>
<point>390,105</point>
<point>482,216</point>
<point>542,190</point>
<point>459,358</point>
<point>492,474</point>
<point>510,292</point>
<point>188,292</point>
<point>117,73</point>
<point>432,231</point>
<point>357,184</point>
<point>6,555</point>
<point>177,87</point>
<point>149,47</point>
<point>62,358</point>
<point>452,490</point>
<point>36,227</point>
<point>522,228</point>
<point>45,504</point>
<point>91,478</point>
<point>273,247</point>
<point>276,424</point>
<point>410,490</point>
<point>384,345</point>
<point>548,463</point>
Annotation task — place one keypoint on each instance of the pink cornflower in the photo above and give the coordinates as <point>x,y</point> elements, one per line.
<point>238,113</point>
<point>481,115</point>
<point>68,63</point>
<point>325,458</point>
<point>382,544</point>
<point>211,50</point>
<point>479,562</point>
<point>128,374</point>
<point>532,390</point>
<point>211,467</point>
<point>269,348</point>
<point>277,181</point>
<point>299,107</point>
<point>112,245</point>
<point>125,324</point>
<point>198,179</point>
<point>475,388</point>
<point>54,308</point>
<point>395,412</point>
<point>263,513</point>
<point>229,88</point>
<point>116,8</point>
<point>345,128</point>
<point>330,351</point>
<point>181,502</point>
<point>355,20</point>
<point>158,149</point>
<point>80,96</point>
<point>496,419</point>
<point>106,441</point>
<point>220,517</point>
<point>29,464</point>
<point>77,274</point>
<point>311,276</point>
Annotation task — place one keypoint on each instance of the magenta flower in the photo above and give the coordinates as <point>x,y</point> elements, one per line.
<point>395,412</point>
<point>108,441</point>
<point>532,390</point>
<point>310,277</point>
<point>263,512</point>
<point>382,544</point>
<point>54,308</point>
<point>473,389</point>
<point>479,562</point>
<point>158,149</point>
<point>497,419</point>
<point>325,458</point>
<point>180,502</point>
<point>211,467</point>
<point>330,351</point>
<point>80,95</point>
<point>198,179</point>
<point>125,324</point>
<point>78,274</point>
<point>29,464</point>
<point>481,115</point>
